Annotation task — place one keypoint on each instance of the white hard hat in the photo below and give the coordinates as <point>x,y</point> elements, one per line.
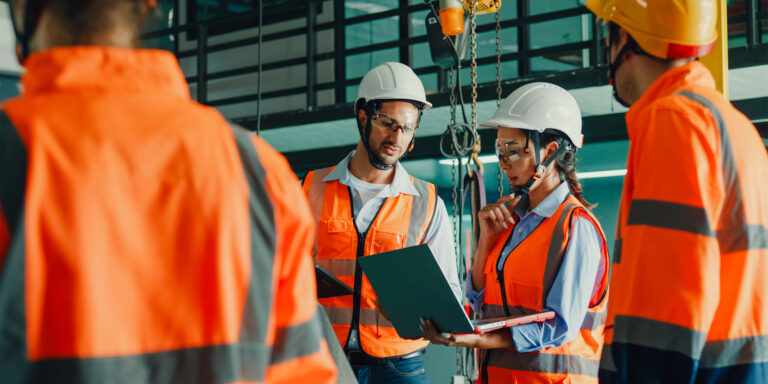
<point>390,81</point>
<point>540,106</point>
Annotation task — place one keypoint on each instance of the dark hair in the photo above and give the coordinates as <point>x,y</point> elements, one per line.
<point>82,20</point>
<point>565,163</point>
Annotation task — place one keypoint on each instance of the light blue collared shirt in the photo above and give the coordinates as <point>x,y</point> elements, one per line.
<point>439,235</point>
<point>576,282</point>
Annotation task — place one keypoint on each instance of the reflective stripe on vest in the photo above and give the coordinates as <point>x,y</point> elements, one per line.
<point>402,221</point>
<point>527,286</point>
<point>244,360</point>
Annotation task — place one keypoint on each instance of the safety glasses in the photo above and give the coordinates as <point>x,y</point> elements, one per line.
<point>509,151</point>
<point>386,122</point>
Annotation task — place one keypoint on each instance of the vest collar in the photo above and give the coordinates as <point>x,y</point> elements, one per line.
<point>104,69</point>
<point>548,206</point>
<point>400,184</point>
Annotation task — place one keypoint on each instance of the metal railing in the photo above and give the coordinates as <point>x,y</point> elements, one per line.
<point>593,74</point>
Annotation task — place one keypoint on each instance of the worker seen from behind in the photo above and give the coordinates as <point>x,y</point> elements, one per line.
<point>540,249</point>
<point>689,297</point>
<point>368,204</point>
<point>142,238</point>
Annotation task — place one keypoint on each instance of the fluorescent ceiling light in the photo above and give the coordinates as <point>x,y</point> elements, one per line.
<point>600,174</point>
<point>580,175</point>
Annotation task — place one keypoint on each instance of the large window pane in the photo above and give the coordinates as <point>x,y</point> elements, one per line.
<point>354,8</point>
<point>562,61</point>
<point>429,80</point>
<point>487,73</point>
<point>418,23</point>
<point>421,56</point>
<point>561,31</point>
<point>486,42</point>
<point>737,32</point>
<point>358,65</point>
<point>373,32</point>
<point>547,6</point>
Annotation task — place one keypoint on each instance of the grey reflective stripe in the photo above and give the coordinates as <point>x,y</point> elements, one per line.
<point>297,341</point>
<point>420,212</point>
<point>606,359</point>
<point>346,375</point>
<point>338,316</point>
<point>593,320</point>
<point>742,238</point>
<point>317,192</point>
<point>339,267</point>
<point>368,316</point>
<point>617,250</point>
<point>211,364</point>
<point>738,351</point>
<point>664,214</point>
<point>263,235</point>
<point>543,362</point>
<point>13,326</point>
<point>556,250</point>
<point>374,317</point>
<point>659,335</point>
<point>616,259</point>
<point>492,310</point>
<point>13,173</point>
<point>734,234</point>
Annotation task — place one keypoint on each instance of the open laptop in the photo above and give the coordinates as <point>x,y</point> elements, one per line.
<point>410,286</point>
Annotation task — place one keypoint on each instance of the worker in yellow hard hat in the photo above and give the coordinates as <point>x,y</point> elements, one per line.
<point>689,297</point>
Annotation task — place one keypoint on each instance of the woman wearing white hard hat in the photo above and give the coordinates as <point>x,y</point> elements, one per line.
<point>540,250</point>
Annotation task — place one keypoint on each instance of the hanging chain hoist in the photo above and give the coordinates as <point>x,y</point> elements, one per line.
<point>461,141</point>
<point>498,88</point>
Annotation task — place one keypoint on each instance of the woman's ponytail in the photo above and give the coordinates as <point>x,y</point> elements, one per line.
<point>565,164</point>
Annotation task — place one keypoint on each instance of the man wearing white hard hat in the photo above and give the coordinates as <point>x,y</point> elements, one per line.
<point>368,204</point>
<point>540,250</point>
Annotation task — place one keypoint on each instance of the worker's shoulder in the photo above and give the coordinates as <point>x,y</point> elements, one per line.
<point>679,114</point>
<point>320,173</point>
<point>417,182</point>
<point>273,162</point>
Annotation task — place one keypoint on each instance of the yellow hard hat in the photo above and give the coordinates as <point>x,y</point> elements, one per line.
<point>668,29</point>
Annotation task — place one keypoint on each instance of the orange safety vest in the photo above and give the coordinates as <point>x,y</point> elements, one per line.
<point>523,288</point>
<point>142,238</point>
<point>689,288</point>
<point>401,222</point>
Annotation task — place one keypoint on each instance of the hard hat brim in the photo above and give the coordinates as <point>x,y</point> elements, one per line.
<point>508,123</point>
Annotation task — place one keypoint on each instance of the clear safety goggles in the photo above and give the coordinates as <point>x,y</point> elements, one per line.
<point>509,151</point>
<point>407,127</point>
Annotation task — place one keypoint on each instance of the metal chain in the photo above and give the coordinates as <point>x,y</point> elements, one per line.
<point>498,81</point>
<point>455,196</point>
<point>498,58</point>
<point>473,74</point>
<point>452,95</point>
<point>454,168</point>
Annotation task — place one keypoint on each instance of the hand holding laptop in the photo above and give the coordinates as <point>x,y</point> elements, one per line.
<point>501,338</point>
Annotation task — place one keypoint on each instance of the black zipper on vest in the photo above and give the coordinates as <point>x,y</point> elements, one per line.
<point>355,325</point>
<point>500,278</point>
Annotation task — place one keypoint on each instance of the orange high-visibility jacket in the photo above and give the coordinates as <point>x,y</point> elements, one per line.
<point>401,222</point>
<point>528,274</point>
<point>147,241</point>
<point>689,292</point>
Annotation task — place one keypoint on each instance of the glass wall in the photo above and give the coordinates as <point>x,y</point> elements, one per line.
<point>338,41</point>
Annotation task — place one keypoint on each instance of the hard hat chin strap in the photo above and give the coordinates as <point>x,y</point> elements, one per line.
<point>541,168</point>
<point>28,23</point>
<point>631,45</point>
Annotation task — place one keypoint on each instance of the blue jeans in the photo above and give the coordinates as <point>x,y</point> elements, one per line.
<point>408,371</point>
